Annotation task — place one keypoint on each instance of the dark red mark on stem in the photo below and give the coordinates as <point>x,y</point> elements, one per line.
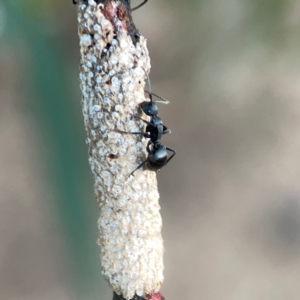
<point>120,17</point>
<point>154,296</point>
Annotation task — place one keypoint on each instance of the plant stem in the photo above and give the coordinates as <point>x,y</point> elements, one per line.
<point>112,78</point>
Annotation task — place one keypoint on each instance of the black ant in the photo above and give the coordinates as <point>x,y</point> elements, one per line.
<point>98,1</point>
<point>157,155</point>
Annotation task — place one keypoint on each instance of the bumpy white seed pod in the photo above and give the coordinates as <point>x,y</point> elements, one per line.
<point>112,81</point>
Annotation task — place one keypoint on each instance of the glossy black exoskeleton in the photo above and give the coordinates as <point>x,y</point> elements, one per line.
<point>157,156</point>
<point>155,129</point>
<point>155,126</point>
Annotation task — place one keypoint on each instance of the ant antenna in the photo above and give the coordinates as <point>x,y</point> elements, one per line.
<point>162,100</point>
<point>149,85</point>
<point>135,8</point>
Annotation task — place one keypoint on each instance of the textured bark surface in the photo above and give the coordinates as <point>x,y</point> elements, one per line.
<point>112,79</point>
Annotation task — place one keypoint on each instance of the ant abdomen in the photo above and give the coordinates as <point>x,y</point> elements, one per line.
<point>157,159</point>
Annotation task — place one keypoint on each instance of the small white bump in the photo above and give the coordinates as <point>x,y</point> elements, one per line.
<point>105,173</point>
<point>112,224</point>
<point>123,44</point>
<point>96,27</point>
<point>103,128</point>
<point>113,60</point>
<point>86,40</point>
<point>114,170</point>
<point>96,107</point>
<point>102,152</point>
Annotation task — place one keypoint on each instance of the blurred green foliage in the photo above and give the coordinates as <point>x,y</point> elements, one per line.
<point>61,131</point>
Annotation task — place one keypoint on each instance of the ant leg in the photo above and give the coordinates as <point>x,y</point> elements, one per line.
<point>148,150</point>
<point>145,1</point>
<point>82,2</point>
<point>171,150</point>
<point>145,121</point>
<point>149,84</point>
<point>135,132</point>
<point>148,146</point>
<point>166,130</point>
<point>138,167</point>
<point>164,101</point>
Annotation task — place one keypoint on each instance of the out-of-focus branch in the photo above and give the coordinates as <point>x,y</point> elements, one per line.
<point>112,63</point>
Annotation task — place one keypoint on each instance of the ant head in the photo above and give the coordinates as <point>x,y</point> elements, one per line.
<point>149,108</point>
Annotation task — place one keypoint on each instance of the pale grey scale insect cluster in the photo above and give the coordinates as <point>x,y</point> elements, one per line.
<point>112,82</point>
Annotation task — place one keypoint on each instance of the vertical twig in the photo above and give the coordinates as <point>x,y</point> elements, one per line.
<point>112,63</point>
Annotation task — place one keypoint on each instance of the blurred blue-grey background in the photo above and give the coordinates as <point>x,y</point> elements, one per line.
<point>230,198</point>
